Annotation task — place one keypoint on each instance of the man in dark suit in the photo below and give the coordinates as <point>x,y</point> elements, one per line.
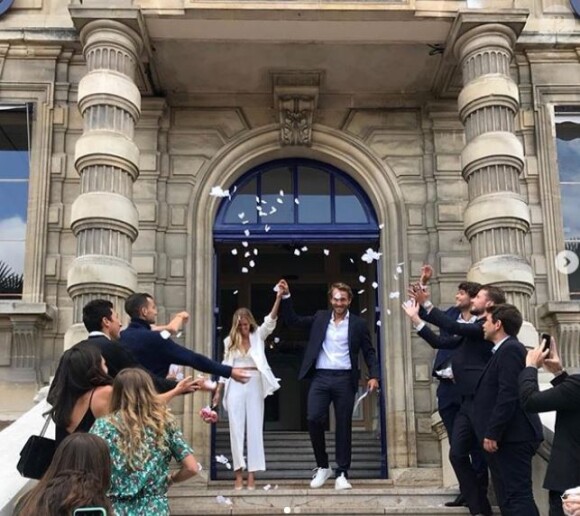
<point>472,353</point>
<point>331,360</point>
<point>156,352</point>
<point>509,435</point>
<point>448,395</point>
<point>564,466</point>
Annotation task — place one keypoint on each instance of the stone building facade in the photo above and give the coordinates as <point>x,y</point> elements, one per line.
<point>440,115</point>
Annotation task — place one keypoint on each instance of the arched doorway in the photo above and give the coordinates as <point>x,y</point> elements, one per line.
<point>310,223</point>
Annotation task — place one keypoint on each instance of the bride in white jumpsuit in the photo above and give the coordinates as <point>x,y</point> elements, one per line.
<point>245,348</point>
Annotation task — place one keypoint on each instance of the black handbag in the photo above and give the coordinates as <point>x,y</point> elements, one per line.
<point>37,454</point>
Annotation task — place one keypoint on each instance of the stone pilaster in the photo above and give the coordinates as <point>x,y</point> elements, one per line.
<point>104,218</point>
<point>497,217</point>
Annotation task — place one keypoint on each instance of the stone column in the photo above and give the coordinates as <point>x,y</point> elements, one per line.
<point>104,218</point>
<point>497,217</point>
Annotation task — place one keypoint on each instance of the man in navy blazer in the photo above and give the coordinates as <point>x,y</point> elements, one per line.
<point>155,352</point>
<point>563,471</point>
<point>331,361</point>
<point>472,353</point>
<point>509,435</point>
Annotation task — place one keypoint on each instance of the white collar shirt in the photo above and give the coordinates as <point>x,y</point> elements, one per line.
<point>496,347</point>
<point>335,352</point>
<point>98,334</point>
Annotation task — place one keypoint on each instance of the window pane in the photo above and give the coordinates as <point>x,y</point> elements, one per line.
<point>13,164</point>
<point>13,200</point>
<point>278,209</point>
<point>568,149</point>
<point>314,196</point>
<point>570,211</point>
<point>243,205</point>
<point>348,209</point>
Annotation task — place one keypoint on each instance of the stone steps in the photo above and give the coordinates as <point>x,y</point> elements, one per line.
<point>365,499</point>
<point>289,455</point>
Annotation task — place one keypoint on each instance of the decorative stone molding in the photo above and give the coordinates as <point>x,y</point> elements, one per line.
<point>497,217</point>
<point>104,218</point>
<point>562,320</point>
<point>295,101</point>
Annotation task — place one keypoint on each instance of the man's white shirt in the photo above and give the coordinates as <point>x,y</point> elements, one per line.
<point>335,353</point>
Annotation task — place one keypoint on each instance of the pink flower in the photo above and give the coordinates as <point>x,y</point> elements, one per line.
<point>208,415</point>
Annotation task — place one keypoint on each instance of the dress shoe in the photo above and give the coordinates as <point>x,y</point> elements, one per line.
<point>458,502</point>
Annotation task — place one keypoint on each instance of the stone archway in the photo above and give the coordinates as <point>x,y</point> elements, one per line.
<point>374,176</point>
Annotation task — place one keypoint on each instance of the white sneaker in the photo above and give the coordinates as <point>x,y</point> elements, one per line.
<point>341,482</point>
<point>321,476</point>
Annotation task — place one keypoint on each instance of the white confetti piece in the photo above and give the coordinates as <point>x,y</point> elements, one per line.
<point>375,285</point>
<point>247,232</point>
<point>252,263</point>
<point>282,193</point>
<point>273,210</point>
<point>279,201</point>
<point>255,252</point>
<point>399,270</point>
<point>370,255</point>
<point>267,487</point>
<point>326,252</point>
<point>165,334</point>
<point>235,188</point>
<point>247,254</point>
<point>297,252</point>
<point>264,202</point>
<point>241,215</point>
<point>381,226</point>
<point>351,260</point>
<point>245,244</point>
<point>266,228</point>
<point>378,323</point>
<point>245,222</point>
<point>216,191</point>
<point>222,459</point>
<point>245,270</point>
<point>361,278</point>
<point>363,310</point>
<point>236,292</point>
<point>257,199</point>
<point>222,500</point>
<point>304,249</point>
<point>394,295</point>
<point>388,312</point>
<point>276,340</point>
<point>361,291</point>
<point>234,252</point>
<point>396,276</point>
<point>178,335</point>
<point>296,201</point>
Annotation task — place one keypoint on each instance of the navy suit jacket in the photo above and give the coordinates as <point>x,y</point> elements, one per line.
<point>359,339</point>
<point>563,470</point>
<point>497,412</point>
<point>472,351</point>
<point>156,354</point>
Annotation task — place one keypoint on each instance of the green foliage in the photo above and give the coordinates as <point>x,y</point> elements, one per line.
<point>10,282</point>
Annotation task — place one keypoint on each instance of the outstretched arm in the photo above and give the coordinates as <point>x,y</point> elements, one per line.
<point>287,313</point>
<point>469,330</point>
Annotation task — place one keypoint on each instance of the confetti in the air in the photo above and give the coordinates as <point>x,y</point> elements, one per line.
<point>241,215</point>
<point>234,252</point>
<point>222,459</point>
<point>369,256</point>
<point>279,201</point>
<point>252,263</point>
<point>296,201</point>
<point>247,254</point>
<point>381,226</point>
<point>245,270</point>
<point>245,244</point>
<point>378,323</point>
<point>304,249</point>
<point>255,252</point>
<point>267,487</point>
<point>245,222</point>
<point>276,340</point>
<point>388,312</point>
<point>236,292</point>
<point>297,252</point>
<point>351,260</point>
<point>375,285</point>
<point>399,269</point>
<point>361,278</point>
<point>281,193</point>
<point>266,228</point>
<point>247,232</point>
<point>216,191</point>
<point>363,310</point>
<point>394,295</point>
<point>165,334</point>
<point>273,210</point>
<point>327,252</point>
<point>361,291</point>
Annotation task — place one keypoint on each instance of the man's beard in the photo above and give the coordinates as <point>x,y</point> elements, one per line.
<point>476,311</point>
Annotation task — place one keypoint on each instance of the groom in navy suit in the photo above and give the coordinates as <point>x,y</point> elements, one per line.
<point>331,361</point>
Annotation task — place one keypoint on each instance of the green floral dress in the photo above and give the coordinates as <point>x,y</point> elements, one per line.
<point>142,492</point>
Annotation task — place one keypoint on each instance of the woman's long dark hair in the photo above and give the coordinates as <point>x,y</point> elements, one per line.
<point>79,476</point>
<point>80,372</point>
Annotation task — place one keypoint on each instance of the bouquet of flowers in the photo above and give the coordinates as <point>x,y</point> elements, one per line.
<point>208,414</point>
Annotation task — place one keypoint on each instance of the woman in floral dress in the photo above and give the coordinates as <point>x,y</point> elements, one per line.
<point>142,437</point>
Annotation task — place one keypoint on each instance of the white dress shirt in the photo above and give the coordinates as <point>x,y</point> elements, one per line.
<point>335,353</point>
<point>496,347</point>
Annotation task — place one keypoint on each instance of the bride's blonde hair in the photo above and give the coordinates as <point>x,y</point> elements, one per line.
<point>235,339</point>
<point>135,410</point>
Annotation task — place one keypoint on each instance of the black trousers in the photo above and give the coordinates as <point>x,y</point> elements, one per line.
<point>331,386</point>
<point>472,483</point>
<point>511,474</point>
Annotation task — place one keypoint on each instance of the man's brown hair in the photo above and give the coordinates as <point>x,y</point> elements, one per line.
<point>342,287</point>
<point>495,294</point>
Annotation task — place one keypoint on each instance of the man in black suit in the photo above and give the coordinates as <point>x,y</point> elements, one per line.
<point>509,435</point>
<point>331,360</point>
<point>472,353</point>
<point>564,466</point>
